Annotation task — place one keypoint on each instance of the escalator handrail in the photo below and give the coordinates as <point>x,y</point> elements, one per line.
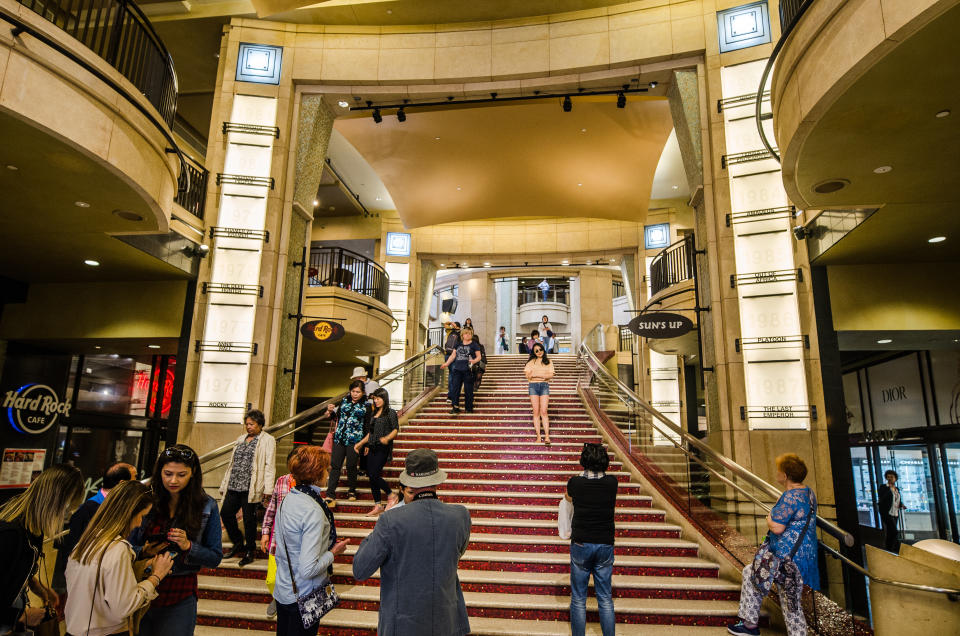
<point>754,479</point>
<point>318,409</point>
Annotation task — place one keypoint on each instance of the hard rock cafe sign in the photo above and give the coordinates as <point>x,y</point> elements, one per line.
<point>322,330</point>
<point>34,408</point>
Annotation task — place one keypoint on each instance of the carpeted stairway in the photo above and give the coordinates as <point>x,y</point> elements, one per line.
<point>515,573</point>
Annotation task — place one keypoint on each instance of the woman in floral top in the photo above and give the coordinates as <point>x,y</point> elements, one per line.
<point>351,414</point>
<point>786,521</point>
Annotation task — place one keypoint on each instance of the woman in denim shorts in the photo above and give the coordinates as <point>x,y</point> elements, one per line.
<point>539,371</point>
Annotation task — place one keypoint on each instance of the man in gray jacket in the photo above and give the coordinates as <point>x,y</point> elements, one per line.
<point>417,548</point>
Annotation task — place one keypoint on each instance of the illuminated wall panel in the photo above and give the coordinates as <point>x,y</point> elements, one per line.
<point>766,278</point>
<point>234,288</point>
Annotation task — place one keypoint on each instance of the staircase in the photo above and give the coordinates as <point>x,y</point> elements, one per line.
<point>515,573</point>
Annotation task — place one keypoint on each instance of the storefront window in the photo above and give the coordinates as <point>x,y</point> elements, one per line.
<point>115,384</point>
<point>953,477</point>
<point>912,464</point>
<point>864,486</point>
<point>896,394</point>
<point>93,449</point>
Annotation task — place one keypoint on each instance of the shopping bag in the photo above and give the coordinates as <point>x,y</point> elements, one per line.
<point>271,572</point>
<point>565,519</point>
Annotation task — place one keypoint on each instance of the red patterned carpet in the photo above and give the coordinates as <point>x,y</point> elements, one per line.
<point>515,573</point>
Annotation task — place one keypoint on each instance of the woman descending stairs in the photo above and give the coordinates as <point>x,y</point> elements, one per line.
<point>515,573</point>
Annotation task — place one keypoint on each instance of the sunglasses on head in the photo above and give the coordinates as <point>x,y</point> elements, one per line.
<point>178,454</point>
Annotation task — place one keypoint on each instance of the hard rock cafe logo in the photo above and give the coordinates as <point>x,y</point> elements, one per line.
<point>34,408</point>
<point>322,330</point>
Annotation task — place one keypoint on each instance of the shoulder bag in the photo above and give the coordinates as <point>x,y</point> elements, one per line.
<point>316,604</point>
<point>50,625</point>
<point>768,567</point>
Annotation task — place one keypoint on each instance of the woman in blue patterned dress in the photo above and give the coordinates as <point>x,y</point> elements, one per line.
<point>786,522</point>
<point>351,414</point>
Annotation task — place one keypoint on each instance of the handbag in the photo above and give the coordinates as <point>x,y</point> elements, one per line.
<point>50,625</point>
<point>328,443</point>
<point>768,567</point>
<point>316,604</point>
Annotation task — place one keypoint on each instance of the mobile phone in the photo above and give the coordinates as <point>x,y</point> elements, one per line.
<point>173,554</point>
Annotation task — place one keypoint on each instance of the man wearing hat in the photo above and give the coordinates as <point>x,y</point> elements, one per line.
<point>417,548</point>
<point>369,386</point>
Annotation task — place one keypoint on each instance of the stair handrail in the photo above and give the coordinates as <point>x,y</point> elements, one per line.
<point>319,409</point>
<point>756,480</point>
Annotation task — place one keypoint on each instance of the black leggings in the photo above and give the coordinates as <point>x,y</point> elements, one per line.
<point>891,533</point>
<point>375,463</point>
<point>336,463</point>
<point>234,501</point>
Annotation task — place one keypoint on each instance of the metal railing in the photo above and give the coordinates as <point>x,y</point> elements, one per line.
<point>790,13</point>
<point>192,193</point>
<point>406,383</point>
<point>618,289</point>
<point>435,336</point>
<point>339,267</point>
<point>672,265</point>
<point>556,294</point>
<point>626,339</point>
<point>119,33</point>
<point>726,501</point>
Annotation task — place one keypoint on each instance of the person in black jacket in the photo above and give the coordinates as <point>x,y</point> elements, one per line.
<point>890,507</point>
<point>24,521</point>
<point>594,497</point>
<point>112,477</point>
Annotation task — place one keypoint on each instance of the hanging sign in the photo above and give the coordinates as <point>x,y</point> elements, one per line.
<point>660,325</point>
<point>34,408</point>
<point>322,330</point>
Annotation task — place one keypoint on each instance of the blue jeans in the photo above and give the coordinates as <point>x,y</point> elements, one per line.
<point>179,619</point>
<point>587,559</point>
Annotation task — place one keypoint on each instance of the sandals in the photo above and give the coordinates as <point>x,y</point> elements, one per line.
<point>546,442</point>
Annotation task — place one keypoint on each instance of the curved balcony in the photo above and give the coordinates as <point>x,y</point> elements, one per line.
<point>339,267</point>
<point>674,264</point>
<point>855,92</point>
<point>119,33</point>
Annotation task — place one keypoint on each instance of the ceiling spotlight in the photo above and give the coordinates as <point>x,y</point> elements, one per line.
<point>579,184</point>
<point>91,262</point>
<point>676,187</point>
<point>443,264</point>
<point>937,239</point>
<point>437,138</point>
<point>883,169</point>
<point>401,116</point>
<point>459,188</point>
<point>343,103</point>
<point>621,100</point>
<point>567,104</point>
<point>81,204</point>
<point>940,115</point>
<point>377,117</point>
<point>153,346</point>
<point>652,84</point>
<point>486,263</point>
<point>329,361</point>
<point>10,166</point>
<point>884,341</point>
<point>315,203</point>
<point>96,346</point>
<point>583,130</point>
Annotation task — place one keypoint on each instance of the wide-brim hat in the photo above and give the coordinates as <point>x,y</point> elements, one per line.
<point>422,469</point>
<point>358,372</point>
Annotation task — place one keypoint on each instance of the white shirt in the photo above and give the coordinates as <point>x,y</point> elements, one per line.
<point>895,507</point>
<point>543,327</point>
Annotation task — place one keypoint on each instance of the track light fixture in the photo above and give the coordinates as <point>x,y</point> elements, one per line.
<point>377,117</point>
<point>401,116</point>
<point>567,104</point>
<point>621,100</point>
<point>652,84</point>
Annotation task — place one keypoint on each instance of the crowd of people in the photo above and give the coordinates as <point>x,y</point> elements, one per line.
<point>130,559</point>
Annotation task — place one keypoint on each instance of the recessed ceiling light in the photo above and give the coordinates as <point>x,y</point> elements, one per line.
<point>343,103</point>
<point>831,185</point>
<point>315,203</point>
<point>81,204</point>
<point>883,169</point>
<point>884,341</point>
<point>612,260</point>
<point>10,166</point>
<point>458,187</point>
<point>652,84</point>
<point>88,370</point>
<point>437,138</point>
<point>486,263</point>
<point>937,239</point>
<point>378,198</point>
<point>443,264</point>
<point>91,262</point>
<point>153,346</point>
<point>96,346</point>
<point>329,361</point>
<point>583,130</point>
<point>127,215</point>
<point>676,187</point>
<point>940,115</point>
<point>579,184</point>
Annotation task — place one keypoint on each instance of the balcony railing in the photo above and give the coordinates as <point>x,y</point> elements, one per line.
<point>618,289</point>
<point>672,265</point>
<point>339,267</point>
<point>556,294</point>
<point>626,339</point>
<point>192,192</point>
<point>119,33</point>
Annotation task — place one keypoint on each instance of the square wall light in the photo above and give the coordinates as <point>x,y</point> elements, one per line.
<point>744,26</point>
<point>398,244</point>
<point>656,236</point>
<point>259,63</point>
